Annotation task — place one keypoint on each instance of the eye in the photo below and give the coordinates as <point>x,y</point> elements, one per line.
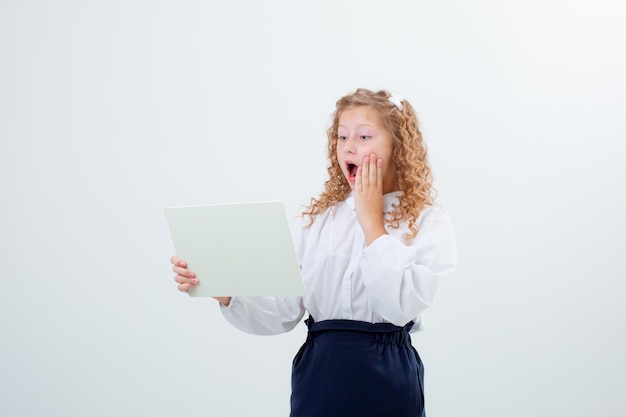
<point>365,137</point>
<point>342,138</point>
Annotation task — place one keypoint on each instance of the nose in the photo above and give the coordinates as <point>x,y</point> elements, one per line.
<point>348,145</point>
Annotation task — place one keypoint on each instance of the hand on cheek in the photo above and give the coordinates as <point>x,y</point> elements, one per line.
<point>368,194</point>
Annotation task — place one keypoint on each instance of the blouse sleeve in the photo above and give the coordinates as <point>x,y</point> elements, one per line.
<point>401,281</point>
<point>264,315</point>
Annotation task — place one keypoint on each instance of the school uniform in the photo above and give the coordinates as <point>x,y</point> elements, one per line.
<point>363,303</point>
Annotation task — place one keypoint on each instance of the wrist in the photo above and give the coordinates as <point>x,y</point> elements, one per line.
<point>373,233</point>
<point>225,301</point>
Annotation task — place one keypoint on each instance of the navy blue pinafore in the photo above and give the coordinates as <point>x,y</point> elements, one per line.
<point>353,368</point>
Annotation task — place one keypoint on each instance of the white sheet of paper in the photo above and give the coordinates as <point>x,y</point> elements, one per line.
<point>240,249</point>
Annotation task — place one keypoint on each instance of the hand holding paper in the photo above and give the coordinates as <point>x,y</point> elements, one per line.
<point>187,279</point>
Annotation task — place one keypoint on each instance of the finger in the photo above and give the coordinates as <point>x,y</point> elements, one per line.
<point>184,284</point>
<point>183,271</point>
<point>183,279</point>
<point>358,184</point>
<point>373,171</point>
<point>365,172</point>
<point>184,287</point>
<point>175,260</point>
<point>379,173</point>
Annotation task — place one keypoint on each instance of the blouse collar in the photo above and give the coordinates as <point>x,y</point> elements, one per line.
<point>388,200</point>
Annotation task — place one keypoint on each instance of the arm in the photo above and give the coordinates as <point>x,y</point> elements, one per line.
<point>264,315</point>
<point>256,315</point>
<point>401,280</point>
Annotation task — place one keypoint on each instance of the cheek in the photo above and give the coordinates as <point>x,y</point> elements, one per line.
<point>381,152</point>
<point>339,151</point>
<point>366,149</point>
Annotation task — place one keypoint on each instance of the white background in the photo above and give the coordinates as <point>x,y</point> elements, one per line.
<point>112,110</point>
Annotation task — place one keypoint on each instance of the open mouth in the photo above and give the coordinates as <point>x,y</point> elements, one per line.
<point>351,169</point>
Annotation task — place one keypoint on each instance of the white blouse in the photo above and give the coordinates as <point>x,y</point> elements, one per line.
<point>389,281</point>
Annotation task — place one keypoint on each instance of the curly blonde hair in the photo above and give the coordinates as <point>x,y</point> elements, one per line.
<point>409,160</point>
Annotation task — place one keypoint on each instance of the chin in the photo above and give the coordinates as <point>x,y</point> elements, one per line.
<point>350,183</point>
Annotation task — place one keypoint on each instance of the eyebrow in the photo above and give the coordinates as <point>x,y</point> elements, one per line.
<point>358,126</point>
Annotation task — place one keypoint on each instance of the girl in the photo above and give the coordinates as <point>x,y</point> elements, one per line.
<point>373,250</point>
